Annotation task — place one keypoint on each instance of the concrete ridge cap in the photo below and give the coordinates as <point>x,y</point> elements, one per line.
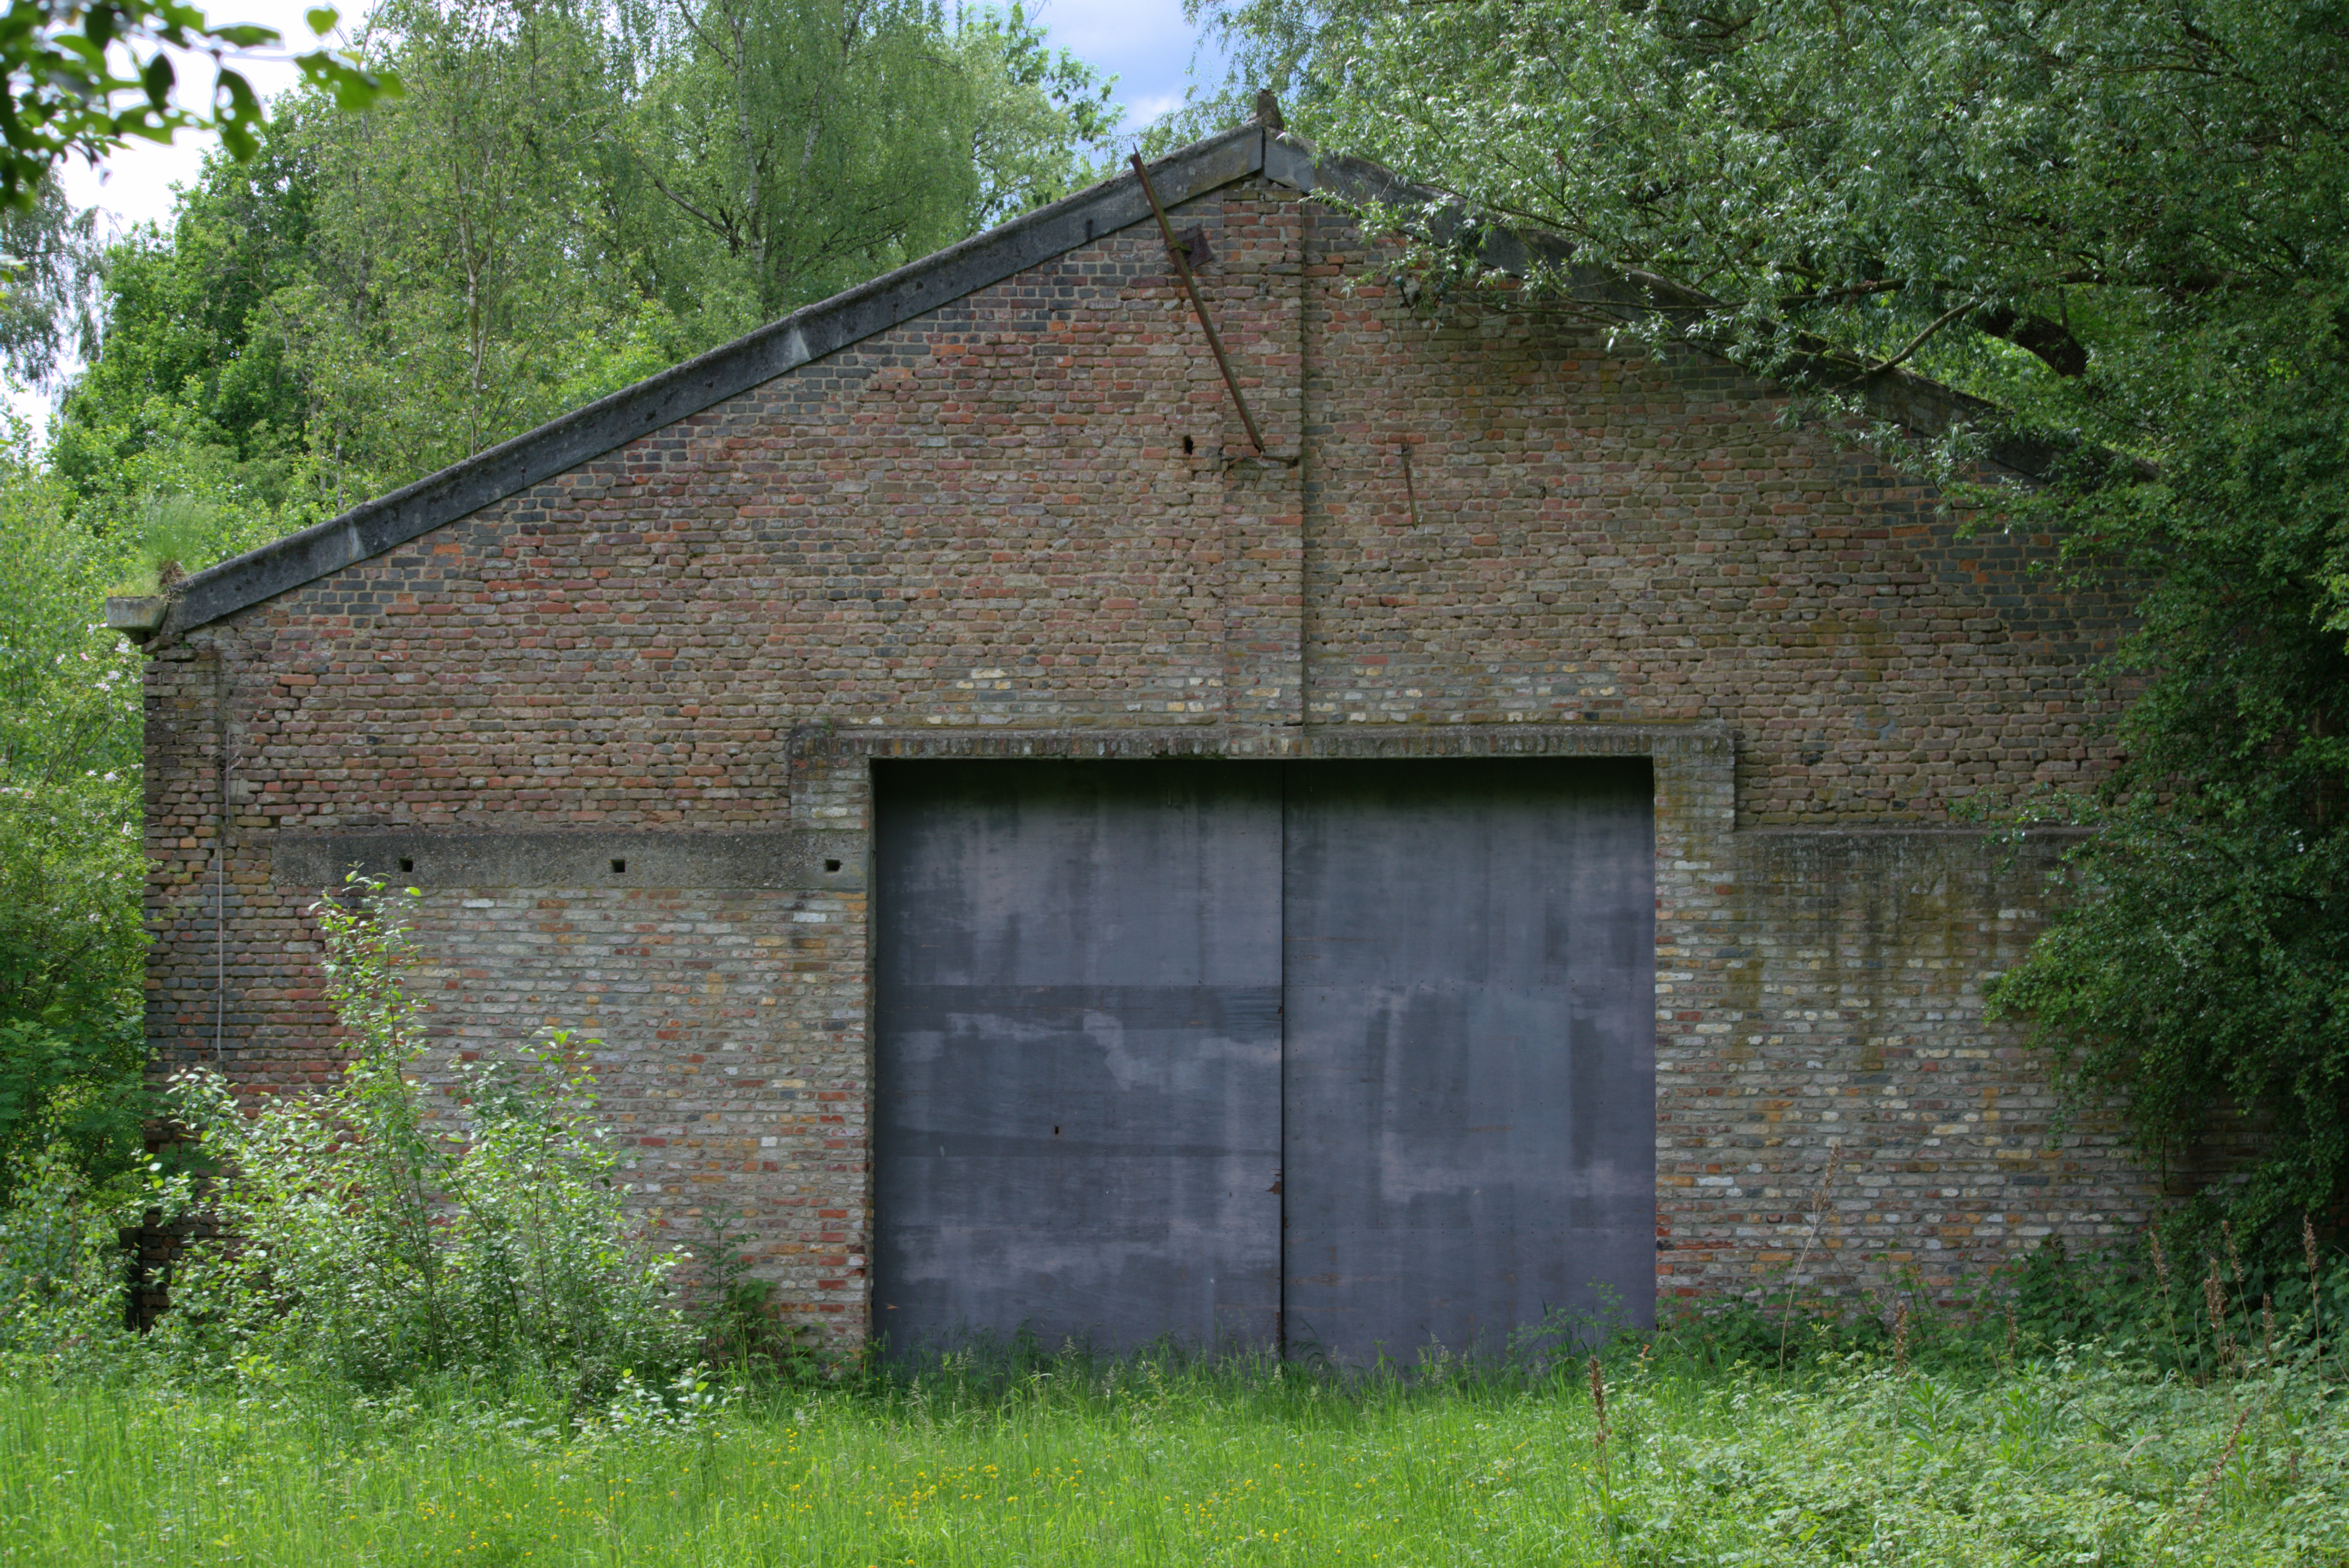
<point>814,331</point>
<point>683,390</point>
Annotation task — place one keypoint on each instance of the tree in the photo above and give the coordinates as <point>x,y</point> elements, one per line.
<point>184,357</point>
<point>464,279</point>
<point>817,142</point>
<point>71,866</point>
<point>2122,223</point>
<point>48,274</point>
<point>1044,121</point>
<point>83,79</point>
<point>567,198</point>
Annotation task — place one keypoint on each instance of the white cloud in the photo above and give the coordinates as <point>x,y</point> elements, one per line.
<point>1146,44</point>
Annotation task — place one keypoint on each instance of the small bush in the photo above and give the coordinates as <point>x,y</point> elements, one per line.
<point>356,1234</point>
<point>63,1273</point>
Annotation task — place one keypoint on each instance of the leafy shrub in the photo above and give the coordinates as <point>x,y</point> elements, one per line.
<point>2081,1456</point>
<point>63,1271</point>
<point>69,1089</point>
<point>72,1037</point>
<point>2195,1306</point>
<point>71,870</point>
<point>361,1236</point>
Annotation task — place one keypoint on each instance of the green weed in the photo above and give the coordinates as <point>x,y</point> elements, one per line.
<point>2073,1457</point>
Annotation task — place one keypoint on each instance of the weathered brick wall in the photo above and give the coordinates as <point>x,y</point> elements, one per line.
<point>727,1027</point>
<point>1594,537</point>
<point>984,523</point>
<point>1829,1099</point>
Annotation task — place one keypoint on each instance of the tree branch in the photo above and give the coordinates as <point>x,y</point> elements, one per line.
<point>716,226</point>
<point>1920,341</point>
<point>2051,341</point>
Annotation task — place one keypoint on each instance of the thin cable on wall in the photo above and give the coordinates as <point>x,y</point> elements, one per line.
<point>219,865</point>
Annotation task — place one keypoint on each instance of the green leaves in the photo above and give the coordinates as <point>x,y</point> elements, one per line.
<point>561,200</point>
<point>81,79</point>
<point>384,1234</point>
<point>349,83</point>
<point>2128,226</point>
<point>818,141</point>
<point>72,1038</point>
<point>2201,968</point>
<point>1042,118</point>
<point>1962,178</point>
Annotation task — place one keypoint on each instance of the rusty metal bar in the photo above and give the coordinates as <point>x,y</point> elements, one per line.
<point>1183,270</point>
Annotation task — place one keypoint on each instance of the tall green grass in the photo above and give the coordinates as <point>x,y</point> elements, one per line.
<point>2069,1458</point>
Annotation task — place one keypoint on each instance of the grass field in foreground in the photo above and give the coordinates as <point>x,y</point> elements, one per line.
<point>2074,1460</point>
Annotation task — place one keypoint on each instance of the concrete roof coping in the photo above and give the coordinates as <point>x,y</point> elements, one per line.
<point>814,331</point>
<point>613,421</point>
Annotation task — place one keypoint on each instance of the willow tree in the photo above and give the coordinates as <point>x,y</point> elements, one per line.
<point>2127,224</point>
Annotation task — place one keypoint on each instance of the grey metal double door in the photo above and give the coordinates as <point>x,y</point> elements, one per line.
<point>1355,1056</point>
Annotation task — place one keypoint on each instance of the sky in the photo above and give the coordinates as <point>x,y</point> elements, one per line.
<point>1146,44</point>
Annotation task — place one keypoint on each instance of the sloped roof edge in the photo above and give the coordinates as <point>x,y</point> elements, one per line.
<point>1918,404</point>
<point>613,421</point>
<point>814,331</point>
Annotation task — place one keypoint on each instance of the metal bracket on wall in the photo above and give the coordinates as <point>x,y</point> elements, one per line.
<point>1179,251</point>
<point>1410,490</point>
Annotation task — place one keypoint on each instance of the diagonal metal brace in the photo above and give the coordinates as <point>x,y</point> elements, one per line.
<point>1179,255</point>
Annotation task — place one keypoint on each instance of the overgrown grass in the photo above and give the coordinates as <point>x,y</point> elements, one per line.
<point>400,1334</point>
<point>2071,1458</point>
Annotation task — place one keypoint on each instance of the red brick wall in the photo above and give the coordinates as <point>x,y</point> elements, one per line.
<point>1608,537</point>
<point>983,523</point>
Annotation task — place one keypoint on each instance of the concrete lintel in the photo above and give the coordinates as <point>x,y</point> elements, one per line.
<point>801,861</point>
<point>2049,834</point>
<point>1711,741</point>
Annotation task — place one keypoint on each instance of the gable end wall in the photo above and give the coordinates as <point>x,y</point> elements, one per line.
<point>978,532</point>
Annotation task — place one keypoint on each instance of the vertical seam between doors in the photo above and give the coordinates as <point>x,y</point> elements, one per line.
<point>1280,1232</point>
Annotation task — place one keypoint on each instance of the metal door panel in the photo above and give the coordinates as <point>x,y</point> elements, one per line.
<point>1468,1074</point>
<point>1077,1050</point>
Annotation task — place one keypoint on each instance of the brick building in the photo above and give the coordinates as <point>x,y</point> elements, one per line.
<point>1491,847</point>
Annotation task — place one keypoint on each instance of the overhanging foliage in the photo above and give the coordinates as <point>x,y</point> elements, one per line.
<point>2123,224</point>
